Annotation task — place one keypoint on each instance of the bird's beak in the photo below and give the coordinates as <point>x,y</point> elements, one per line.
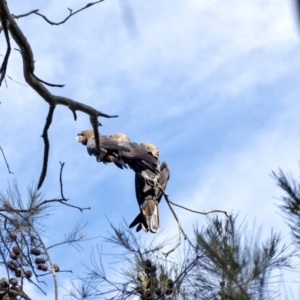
<point>79,138</point>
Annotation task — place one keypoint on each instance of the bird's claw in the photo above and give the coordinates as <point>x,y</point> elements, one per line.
<point>101,155</point>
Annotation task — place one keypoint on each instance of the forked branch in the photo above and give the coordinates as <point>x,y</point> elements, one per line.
<point>10,26</point>
<point>71,13</point>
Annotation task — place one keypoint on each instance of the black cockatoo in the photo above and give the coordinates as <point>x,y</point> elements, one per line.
<point>143,160</point>
<point>109,144</point>
<point>120,150</point>
<point>149,194</point>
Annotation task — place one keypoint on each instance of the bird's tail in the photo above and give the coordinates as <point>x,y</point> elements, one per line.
<point>148,218</point>
<point>140,221</point>
<point>149,210</point>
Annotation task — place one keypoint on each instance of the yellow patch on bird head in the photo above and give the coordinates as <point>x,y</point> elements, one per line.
<point>83,136</point>
<point>119,137</point>
<point>152,148</point>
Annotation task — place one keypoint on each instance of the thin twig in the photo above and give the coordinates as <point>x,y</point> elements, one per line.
<point>16,81</point>
<point>69,16</point>
<point>47,83</point>
<point>60,180</point>
<point>63,201</point>
<point>7,165</point>
<point>25,15</point>
<point>201,212</point>
<point>180,229</point>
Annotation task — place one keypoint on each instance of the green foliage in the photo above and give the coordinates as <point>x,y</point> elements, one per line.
<point>220,264</point>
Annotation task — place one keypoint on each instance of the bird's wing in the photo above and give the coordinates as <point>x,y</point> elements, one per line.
<point>138,152</point>
<point>145,195</point>
<point>91,147</point>
<point>109,143</point>
<point>162,179</point>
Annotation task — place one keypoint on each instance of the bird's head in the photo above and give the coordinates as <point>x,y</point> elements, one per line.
<point>83,136</point>
<point>152,148</point>
<point>119,137</point>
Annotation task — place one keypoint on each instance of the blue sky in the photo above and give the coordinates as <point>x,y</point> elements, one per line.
<point>213,84</point>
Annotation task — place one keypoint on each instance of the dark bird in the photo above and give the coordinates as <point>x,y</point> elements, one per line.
<point>120,150</point>
<point>109,144</point>
<point>149,193</point>
<point>143,159</point>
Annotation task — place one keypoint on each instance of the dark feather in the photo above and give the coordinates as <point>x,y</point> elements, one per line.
<point>148,197</point>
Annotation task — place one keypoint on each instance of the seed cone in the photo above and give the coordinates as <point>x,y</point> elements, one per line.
<point>55,267</point>
<point>35,251</point>
<point>42,267</point>
<point>13,281</point>
<point>16,250</point>
<point>28,274</point>
<point>40,260</point>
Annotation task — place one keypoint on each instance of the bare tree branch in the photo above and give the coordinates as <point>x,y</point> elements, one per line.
<point>8,49</point>
<point>46,145</point>
<point>25,15</point>
<point>47,83</point>
<point>180,229</point>
<point>201,212</point>
<point>60,180</point>
<point>71,13</point>
<point>7,165</point>
<point>34,83</point>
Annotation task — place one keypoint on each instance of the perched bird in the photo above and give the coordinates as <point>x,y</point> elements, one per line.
<point>139,158</point>
<point>151,148</point>
<point>148,193</point>
<point>120,150</point>
<point>109,144</point>
<point>143,159</point>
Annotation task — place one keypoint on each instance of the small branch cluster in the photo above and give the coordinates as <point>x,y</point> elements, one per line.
<point>22,249</point>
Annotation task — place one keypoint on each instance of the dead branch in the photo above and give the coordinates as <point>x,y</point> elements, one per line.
<point>180,229</point>
<point>8,49</point>
<point>25,15</point>
<point>201,212</point>
<point>46,145</point>
<point>34,83</point>
<point>71,13</point>
<point>47,83</point>
<point>62,201</point>
<point>60,180</point>
<point>7,165</point>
